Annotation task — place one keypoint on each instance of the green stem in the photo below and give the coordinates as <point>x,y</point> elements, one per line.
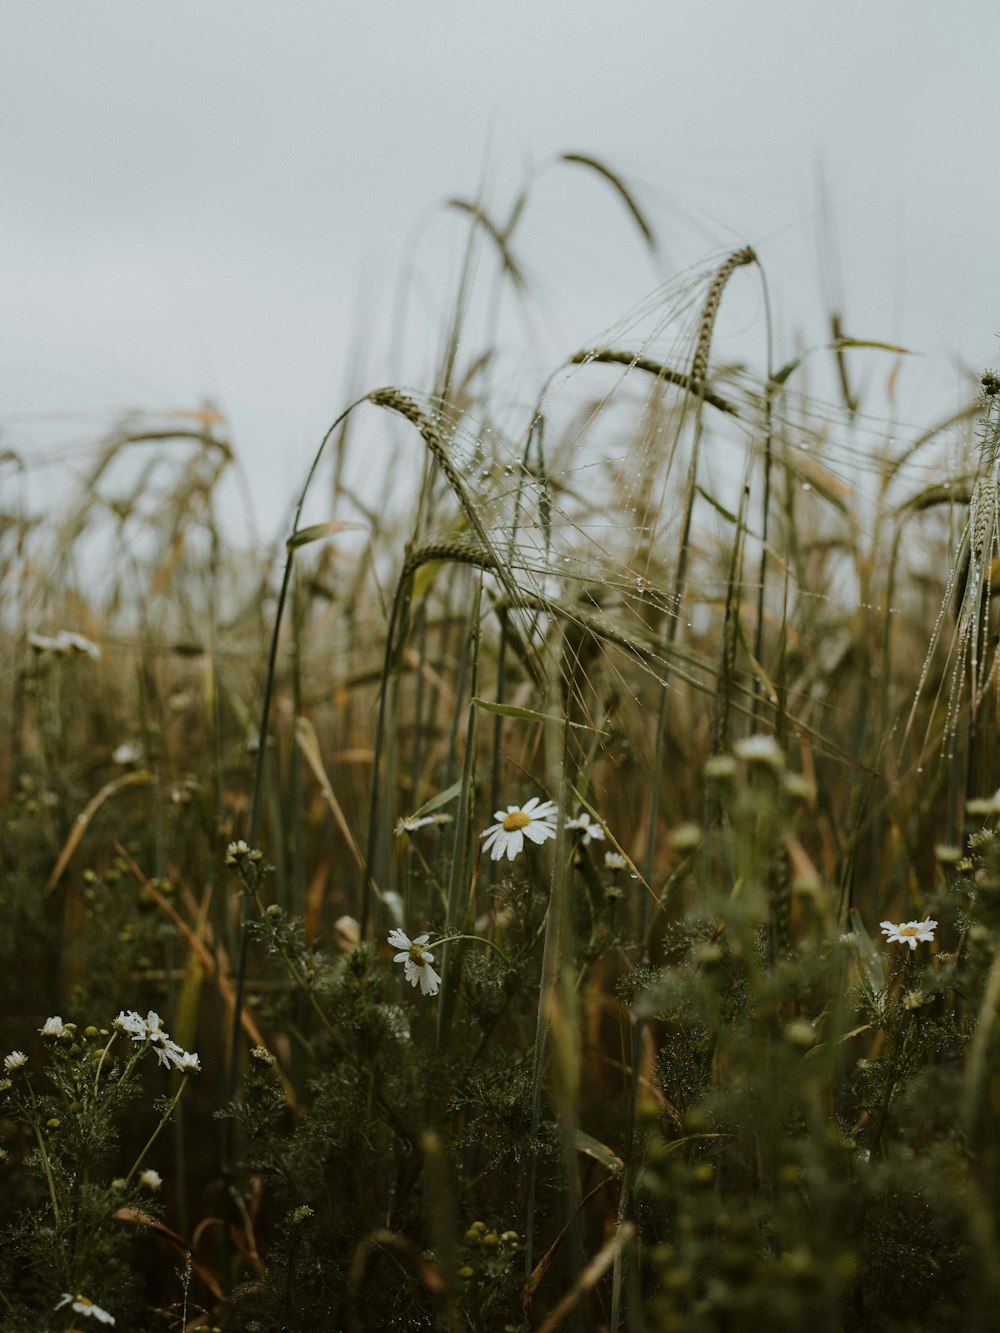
<point>297,976</point>
<point>48,1168</point>
<point>100,1062</point>
<point>41,1148</point>
<point>431,876</point>
<point>890,1087</point>
<point>156,1132</point>
<point>450,939</point>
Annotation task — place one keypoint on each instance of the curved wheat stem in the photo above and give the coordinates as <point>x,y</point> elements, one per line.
<point>699,364</point>
<point>609,356</point>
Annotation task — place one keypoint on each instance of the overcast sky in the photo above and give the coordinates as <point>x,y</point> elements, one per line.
<point>216,198</point>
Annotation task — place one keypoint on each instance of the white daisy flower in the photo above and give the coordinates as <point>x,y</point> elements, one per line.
<point>151,1029</point>
<point>394,904</point>
<point>148,1029</point>
<point>347,932</point>
<point>410,824</point>
<point>43,643</point>
<point>150,1180</point>
<point>909,932</point>
<point>83,1305</point>
<point>532,820</point>
<point>984,805</point>
<point>70,641</point>
<point>16,1060</point>
<point>54,1027</point>
<point>760,750</point>
<point>66,641</point>
<point>168,1052</point>
<point>132,1023</point>
<point>416,961</point>
<point>591,830</point>
<point>614,861</point>
<point>155,1030</point>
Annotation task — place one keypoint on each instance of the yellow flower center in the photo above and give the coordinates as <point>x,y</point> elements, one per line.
<point>515,820</point>
<point>416,955</point>
<point>910,930</point>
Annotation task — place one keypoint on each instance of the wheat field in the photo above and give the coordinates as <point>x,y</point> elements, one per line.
<point>555,887</point>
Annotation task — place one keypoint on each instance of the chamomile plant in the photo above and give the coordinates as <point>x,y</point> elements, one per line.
<point>81,1102</point>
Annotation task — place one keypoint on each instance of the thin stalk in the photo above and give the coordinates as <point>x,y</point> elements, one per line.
<point>548,984</point>
<point>48,1169</point>
<point>463,815</point>
<point>262,733</point>
<point>765,505</point>
<point>156,1132</point>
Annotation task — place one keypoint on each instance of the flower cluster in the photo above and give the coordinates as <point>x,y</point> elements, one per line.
<point>150,1029</point>
<point>238,852</point>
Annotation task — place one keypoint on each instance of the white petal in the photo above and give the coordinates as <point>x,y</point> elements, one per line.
<point>496,839</point>
<point>430,982</point>
<point>539,832</point>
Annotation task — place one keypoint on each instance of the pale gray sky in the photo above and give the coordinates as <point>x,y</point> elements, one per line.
<point>199,197</point>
